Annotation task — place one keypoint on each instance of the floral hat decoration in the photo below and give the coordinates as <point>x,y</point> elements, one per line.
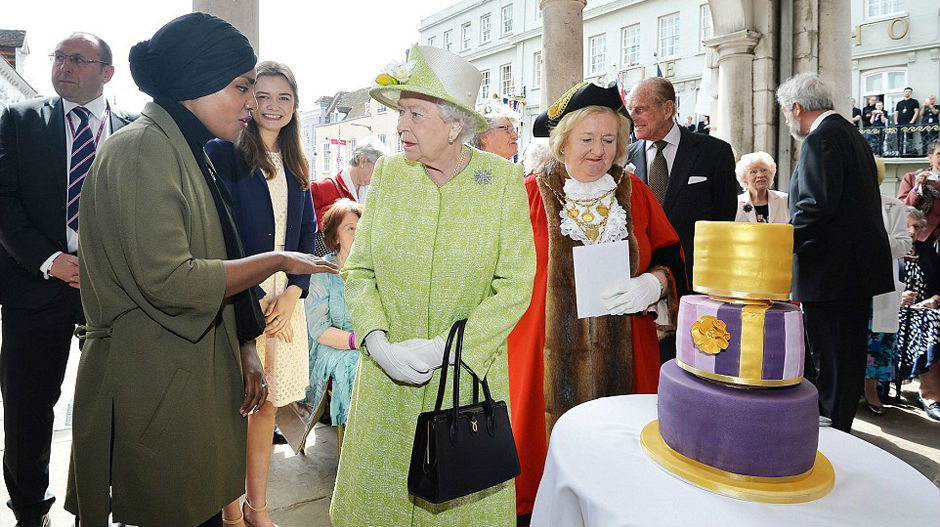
<point>433,72</point>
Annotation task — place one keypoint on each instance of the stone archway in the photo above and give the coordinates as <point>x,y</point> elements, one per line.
<point>756,44</point>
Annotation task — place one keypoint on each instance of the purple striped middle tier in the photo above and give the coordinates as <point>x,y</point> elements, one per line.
<point>760,344</point>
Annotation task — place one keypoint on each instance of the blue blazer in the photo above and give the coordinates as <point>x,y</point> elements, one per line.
<point>254,216</point>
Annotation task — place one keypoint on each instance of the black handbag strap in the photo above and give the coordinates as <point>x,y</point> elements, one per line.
<point>455,341</point>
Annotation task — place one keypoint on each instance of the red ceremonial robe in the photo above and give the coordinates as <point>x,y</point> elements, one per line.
<point>656,244</point>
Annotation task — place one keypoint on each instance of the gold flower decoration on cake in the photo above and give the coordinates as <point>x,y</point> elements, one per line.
<point>710,334</point>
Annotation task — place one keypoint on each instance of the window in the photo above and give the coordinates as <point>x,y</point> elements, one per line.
<point>506,15</point>
<point>538,12</point>
<point>485,28</point>
<point>505,79</point>
<point>431,41</point>
<point>880,8</point>
<point>888,86</point>
<point>705,26</point>
<point>630,43</point>
<point>465,37</point>
<point>399,148</point>
<point>485,85</point>
<point>537,69</point>
<point>325,152</point>
<point>382,139</point>
<point>351,144</point>
<point>597,51</point>
<point>381,108</point>
<point>449,40</point>
<point>668,36</point>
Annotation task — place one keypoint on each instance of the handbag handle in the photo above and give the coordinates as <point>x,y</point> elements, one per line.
<point>456,331</point>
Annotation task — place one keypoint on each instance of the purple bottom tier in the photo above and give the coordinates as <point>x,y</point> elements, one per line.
<point>770,432</point>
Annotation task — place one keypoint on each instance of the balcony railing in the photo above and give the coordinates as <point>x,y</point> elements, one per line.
<point>905,140</point>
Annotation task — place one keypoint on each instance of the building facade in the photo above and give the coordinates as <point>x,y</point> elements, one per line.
<point>895,44</point>
<point>349,117</point>
<point>503,39</point>
<point>13,53</point>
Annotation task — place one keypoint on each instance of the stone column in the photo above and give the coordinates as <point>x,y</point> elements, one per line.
<point>562,47</point>
<point>735,93</point>
<point>835,52</point>
<point>243,14</point>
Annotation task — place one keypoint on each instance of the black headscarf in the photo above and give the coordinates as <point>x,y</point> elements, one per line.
<point>192,56</point>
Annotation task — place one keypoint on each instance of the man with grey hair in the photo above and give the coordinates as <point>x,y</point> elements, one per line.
<point>841,255</point>
<point>353,181</point>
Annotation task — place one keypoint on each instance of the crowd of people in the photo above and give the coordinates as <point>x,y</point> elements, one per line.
<point>915,125</point>
<point>213,283</point>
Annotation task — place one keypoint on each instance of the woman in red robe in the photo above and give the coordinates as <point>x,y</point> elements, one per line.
<point>556,360</point>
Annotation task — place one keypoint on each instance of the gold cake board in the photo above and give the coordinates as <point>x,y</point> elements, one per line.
<point>809,486</point>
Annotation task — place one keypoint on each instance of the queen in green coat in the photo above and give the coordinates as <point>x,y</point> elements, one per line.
<point>444,236</point>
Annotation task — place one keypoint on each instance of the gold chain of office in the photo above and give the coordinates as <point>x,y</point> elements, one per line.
<point>585,220</point>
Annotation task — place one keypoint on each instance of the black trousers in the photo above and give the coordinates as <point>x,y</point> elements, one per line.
<point>836,337</point>
<point>33,357</point>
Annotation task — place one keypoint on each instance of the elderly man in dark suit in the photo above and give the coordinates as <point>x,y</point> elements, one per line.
<point>46,148</point>
<point>841,255</point>
<point>692,175</point>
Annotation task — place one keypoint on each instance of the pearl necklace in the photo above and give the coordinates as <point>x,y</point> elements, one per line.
<point>456,170</point>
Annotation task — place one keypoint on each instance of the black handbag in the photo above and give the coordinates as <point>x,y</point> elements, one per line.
<point>463,449</point>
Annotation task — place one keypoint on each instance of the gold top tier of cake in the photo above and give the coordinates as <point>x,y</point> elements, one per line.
<point>751,261</point>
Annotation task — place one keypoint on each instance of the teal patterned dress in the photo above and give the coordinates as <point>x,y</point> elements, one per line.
<point>424,257</point>
<point>326,307</point>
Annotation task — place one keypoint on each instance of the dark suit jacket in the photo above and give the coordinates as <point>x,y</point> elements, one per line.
<point>33,181</point>
<point>713,198</point>
<point>325,192</point>
<point>254,215</point>
<point>839,241</point>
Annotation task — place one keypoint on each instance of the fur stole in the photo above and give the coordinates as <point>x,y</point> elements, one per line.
<point>590,357</point>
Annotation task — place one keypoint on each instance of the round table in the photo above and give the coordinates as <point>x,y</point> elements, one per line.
<point>597,474</point>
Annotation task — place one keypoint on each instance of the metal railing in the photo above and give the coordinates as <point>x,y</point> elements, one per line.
<point>905,140</point>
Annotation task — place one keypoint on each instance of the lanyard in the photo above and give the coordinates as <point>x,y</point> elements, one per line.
<point>104,120</point>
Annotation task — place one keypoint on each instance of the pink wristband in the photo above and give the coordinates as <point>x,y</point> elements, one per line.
<point>352,341</point>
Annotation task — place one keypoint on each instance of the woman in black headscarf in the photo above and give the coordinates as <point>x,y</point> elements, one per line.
<point>168,368</point>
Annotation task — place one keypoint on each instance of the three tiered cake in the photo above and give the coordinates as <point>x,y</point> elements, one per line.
<point>734,413</point>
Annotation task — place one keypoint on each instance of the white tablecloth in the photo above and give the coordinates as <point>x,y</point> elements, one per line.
<point>597,474</point>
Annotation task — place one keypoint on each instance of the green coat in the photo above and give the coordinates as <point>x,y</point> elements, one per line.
<point>424,257</point>
<point>167,384</point>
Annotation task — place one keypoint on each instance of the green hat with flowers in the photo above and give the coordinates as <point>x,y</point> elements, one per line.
<point>433,72</point>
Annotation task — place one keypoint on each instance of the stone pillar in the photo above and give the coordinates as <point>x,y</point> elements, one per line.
<point>835,52</point>
<point>562,47</point>
<point>735,115</point>
<point>243,14</point>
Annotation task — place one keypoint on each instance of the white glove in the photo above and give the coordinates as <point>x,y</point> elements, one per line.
<point>634,295</point>
<point>395,360</point>
<point>430,352</point>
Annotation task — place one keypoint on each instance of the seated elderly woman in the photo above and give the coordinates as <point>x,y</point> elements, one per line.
<point>759,204</point>
<point>919,325</point>
<point>584,198</point>
<point>444,238</point>
<point>333,355</point>
<point>500,136</point>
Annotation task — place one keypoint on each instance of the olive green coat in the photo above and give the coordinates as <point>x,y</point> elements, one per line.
<point>156,402</point>
<point>424,257</point>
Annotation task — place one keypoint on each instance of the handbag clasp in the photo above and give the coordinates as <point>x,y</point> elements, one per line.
<point>473,425</point>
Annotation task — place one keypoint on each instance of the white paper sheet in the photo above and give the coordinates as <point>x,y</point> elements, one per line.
<point>597,268</point>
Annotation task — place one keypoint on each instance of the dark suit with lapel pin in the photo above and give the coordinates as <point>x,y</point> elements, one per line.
<point>39,314</point>
<point>702,185</point>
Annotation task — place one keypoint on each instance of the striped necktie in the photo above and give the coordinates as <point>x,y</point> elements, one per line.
<point>659,173</point>
<point>83,153</point>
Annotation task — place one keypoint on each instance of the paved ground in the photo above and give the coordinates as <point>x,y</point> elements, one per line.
<point>300,486</point>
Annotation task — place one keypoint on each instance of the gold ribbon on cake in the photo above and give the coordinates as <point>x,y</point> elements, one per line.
<point>799,488</point>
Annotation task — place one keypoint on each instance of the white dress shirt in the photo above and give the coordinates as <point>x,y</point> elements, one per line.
<point>669,151</point>
<point>97,109</point>
<point>820,119</point>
